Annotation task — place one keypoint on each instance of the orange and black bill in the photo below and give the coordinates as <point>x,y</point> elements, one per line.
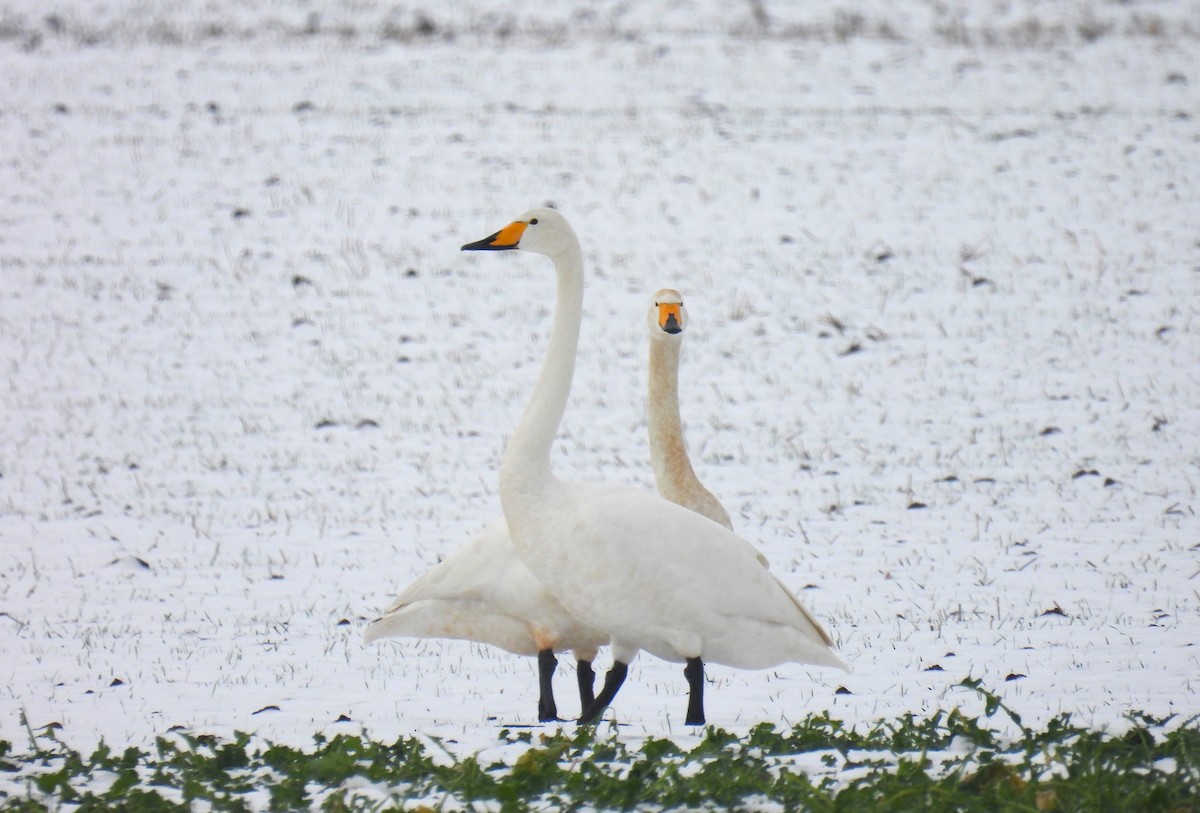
<point>506,239</point>
<point>668,318</point>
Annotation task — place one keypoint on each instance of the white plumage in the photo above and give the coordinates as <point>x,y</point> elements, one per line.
<point>649,573</point>
<point>484,593</point>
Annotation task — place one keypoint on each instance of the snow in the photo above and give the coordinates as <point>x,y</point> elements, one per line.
<point>942,266</point>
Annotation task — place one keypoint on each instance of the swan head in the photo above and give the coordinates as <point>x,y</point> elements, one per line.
<point>543,231</point>
<point>667,317</point>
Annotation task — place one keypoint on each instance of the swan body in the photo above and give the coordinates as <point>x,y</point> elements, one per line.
<point>651,574</point>
<point>483,593</point>
<point>688,589</point>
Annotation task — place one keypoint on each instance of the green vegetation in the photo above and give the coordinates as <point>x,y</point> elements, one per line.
<point>945,762</point>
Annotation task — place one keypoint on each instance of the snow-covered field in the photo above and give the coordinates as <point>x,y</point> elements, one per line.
<point>943,268</point>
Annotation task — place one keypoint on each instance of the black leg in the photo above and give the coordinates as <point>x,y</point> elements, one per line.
<point>694,672</point>
<point>587,679</point>
<point>612,682</point>
<point>547,710</point>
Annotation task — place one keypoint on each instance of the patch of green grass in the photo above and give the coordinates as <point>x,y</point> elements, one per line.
<point>944,762</point>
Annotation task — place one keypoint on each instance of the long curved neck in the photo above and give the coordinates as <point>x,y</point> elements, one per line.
<point>525,470</point>
<point>673,473</point>
<point>668,454</point>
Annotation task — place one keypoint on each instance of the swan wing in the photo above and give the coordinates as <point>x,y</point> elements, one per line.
<point>654,574</point>
<point>472,571</point>
<point>484,593</point>
<point>460,619</point>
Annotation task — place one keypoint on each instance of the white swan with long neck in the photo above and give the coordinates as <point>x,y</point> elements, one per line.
<point>484,593</point>
<point>651,574</point>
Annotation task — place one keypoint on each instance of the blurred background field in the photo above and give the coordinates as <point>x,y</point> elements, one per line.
<point>942,263</point>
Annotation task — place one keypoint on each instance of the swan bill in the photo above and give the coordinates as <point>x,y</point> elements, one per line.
<point>669,317</point>
<point>506,239</point>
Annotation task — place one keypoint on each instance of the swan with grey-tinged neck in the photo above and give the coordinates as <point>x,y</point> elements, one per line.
<point>650,574</point>
<point>666,323</point>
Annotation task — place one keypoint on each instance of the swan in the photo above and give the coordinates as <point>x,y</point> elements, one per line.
<point>673,473</point>
<point>666,322</point>
<point>651,574</point>
<point>483,593</point>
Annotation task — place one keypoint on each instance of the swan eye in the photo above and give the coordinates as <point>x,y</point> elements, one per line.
<point>533,222</point>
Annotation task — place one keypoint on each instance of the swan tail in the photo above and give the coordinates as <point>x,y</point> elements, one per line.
<point>812,622</point>
<point>459,621</point>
